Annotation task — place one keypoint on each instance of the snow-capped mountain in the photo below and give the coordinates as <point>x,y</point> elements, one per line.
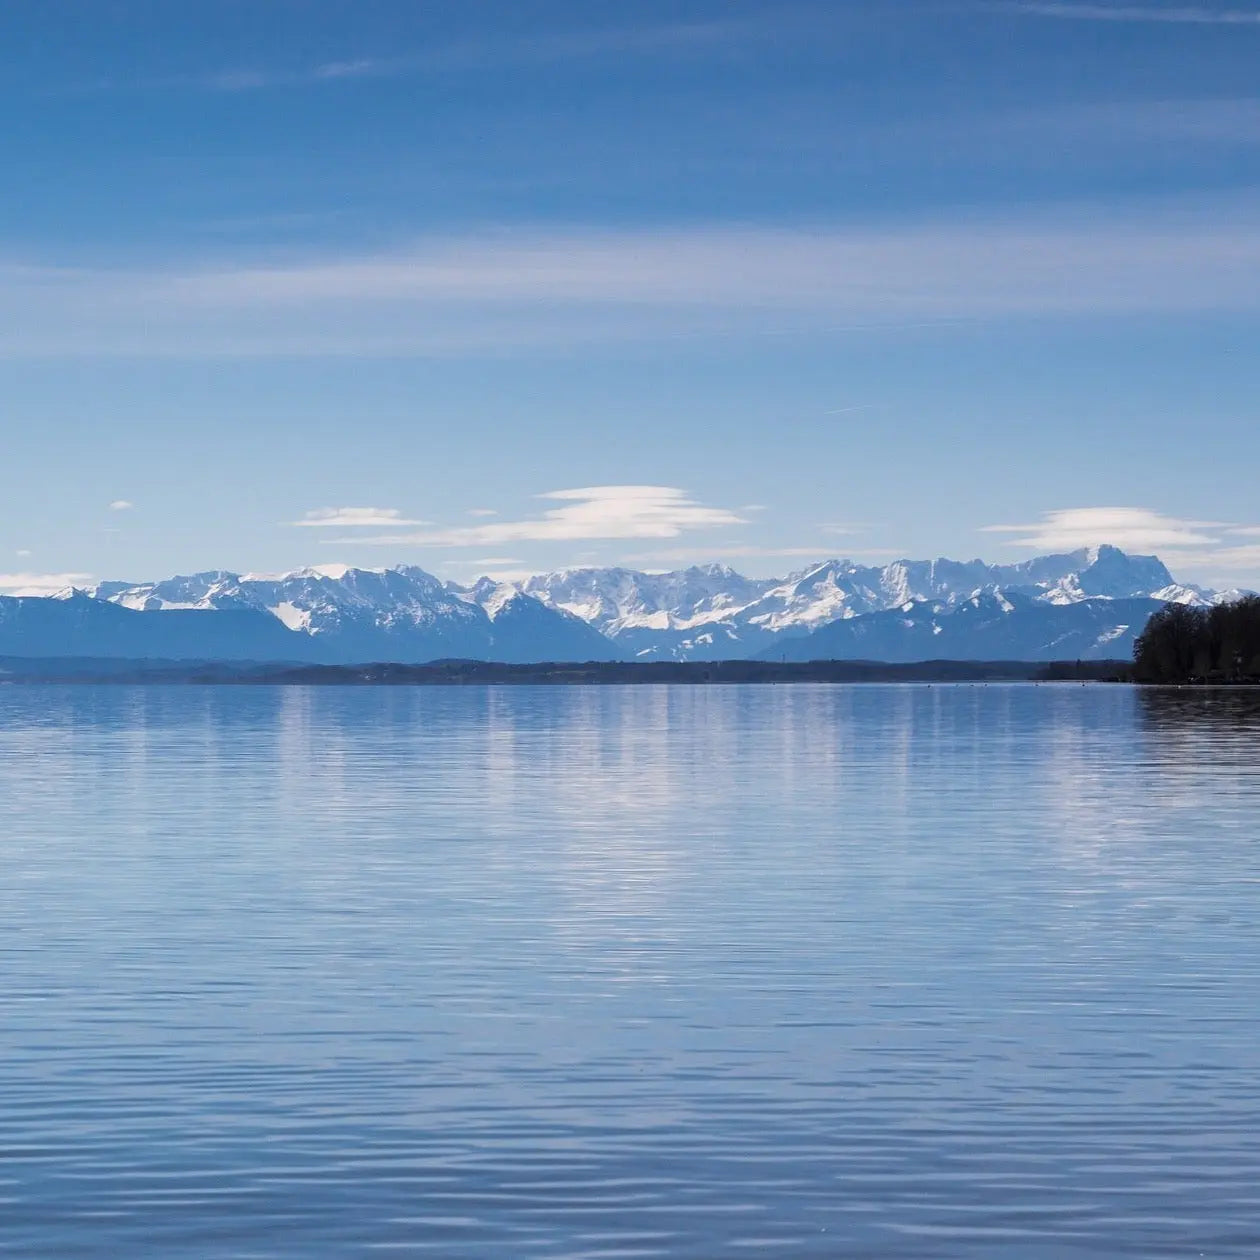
<point>1079,604</point>
<point>712,612</point>
<point>616,600</point>
<point>525,630</point>
<point>401,614</point>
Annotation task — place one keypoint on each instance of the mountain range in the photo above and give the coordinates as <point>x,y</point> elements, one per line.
<point>1086,604</point>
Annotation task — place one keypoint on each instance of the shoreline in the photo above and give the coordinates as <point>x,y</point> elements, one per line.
<point>479,673</point>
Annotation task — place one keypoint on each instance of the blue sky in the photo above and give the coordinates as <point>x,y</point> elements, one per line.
<point>510,286</point>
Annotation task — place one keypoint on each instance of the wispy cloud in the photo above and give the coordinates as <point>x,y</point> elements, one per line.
<point>356,517</point>
<point>521,291</point>
<point>1134,529</point>
<point>1185,15</point>
<point>1209,551</point>
<point>496,568</point>
<point>594,512</point>
<point>249,79</point>
<point>121,505</point>
<point>490,562</point>
<point>41,584</point>
<point>539,49</point>
<point>844,527</point>
<point>482,512</point>
<point>1144,131</point>
<point>692,555</point>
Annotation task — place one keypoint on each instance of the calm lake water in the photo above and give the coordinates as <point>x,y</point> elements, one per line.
<point>629,972</point>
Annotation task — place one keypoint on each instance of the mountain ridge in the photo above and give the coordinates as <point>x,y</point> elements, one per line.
<point>700,613</point>
<point>1075,604</point>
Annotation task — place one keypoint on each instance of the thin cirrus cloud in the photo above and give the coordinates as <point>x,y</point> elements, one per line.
<point>1131,133</point>
<point>818,555</point>
<point>660,39</point>
<point>355,517</point>
<point>121,505</point>
<point>1184,15</point>
<point>252,80</point>
<point>590,513</point>
<point>519,291</point>
<point>40,584</point>
<point>844,527</point>
<point>496,568</point>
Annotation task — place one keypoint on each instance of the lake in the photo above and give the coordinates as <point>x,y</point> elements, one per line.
<point>818,971</point>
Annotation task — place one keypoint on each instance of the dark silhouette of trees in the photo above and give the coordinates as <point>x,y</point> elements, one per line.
<point>1183,644</point>
<point>1237,631</point>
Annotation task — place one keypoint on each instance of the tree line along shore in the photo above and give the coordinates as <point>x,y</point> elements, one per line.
<point>1186,645</point>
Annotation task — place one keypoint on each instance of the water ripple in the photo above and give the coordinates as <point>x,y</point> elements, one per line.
<point>810,971</point>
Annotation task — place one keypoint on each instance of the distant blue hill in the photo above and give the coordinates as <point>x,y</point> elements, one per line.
<point>78,625</point>
<point>1009,627</point>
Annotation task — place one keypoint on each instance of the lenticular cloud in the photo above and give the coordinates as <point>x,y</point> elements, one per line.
<point>1133,529</point>
<point>588,513</point>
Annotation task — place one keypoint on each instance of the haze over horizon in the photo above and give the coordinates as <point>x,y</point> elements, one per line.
<point>513,287</point>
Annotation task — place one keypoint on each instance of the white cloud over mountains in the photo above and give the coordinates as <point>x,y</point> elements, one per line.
<point>1207,548</point>
<point>1132,529</point>
<point>351,517</point>
<point>592,512</point>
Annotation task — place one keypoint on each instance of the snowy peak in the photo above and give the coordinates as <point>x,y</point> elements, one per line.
<point>1114,575</point>
<point>616,600</point>
<point>489,595</point>
<point>526,629</point>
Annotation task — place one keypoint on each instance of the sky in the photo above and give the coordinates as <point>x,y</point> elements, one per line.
<point>500,286</point>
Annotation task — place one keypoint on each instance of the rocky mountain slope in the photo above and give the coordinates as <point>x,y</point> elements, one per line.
<point>987,627</point>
